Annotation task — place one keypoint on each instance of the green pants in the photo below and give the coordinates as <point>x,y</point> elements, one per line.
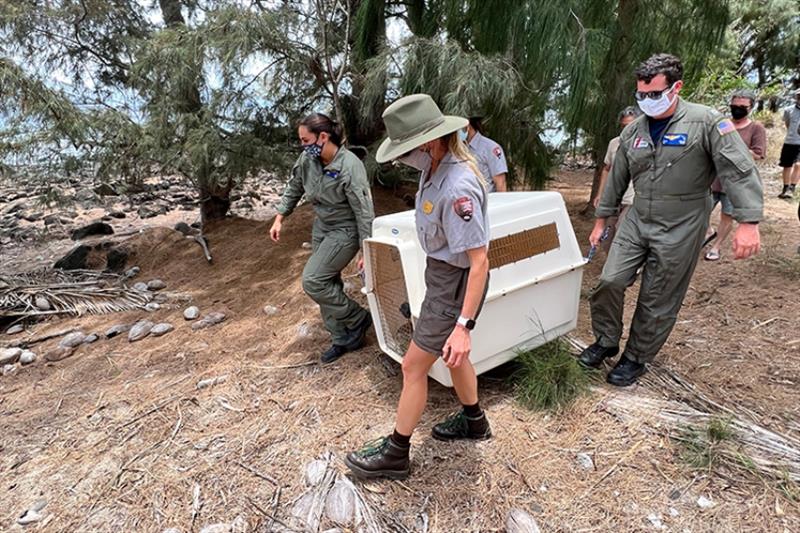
<point>664,240</point>
<point>333,249</point>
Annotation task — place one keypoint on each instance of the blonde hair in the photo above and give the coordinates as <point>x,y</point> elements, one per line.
<point>460,151</point>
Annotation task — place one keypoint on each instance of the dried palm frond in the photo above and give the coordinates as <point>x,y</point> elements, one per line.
<point>740,441</point>
<point>49,292</point>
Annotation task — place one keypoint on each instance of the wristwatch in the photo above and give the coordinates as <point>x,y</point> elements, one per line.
<point>465,322</point>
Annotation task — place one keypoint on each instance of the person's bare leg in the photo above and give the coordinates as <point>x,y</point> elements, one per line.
<point>725,227</point>
<point>795,174</point>
<point>466,383</point>
<point>787,175</point>
<point>416,364</point>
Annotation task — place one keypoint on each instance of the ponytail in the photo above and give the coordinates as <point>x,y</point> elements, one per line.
<point>319,123</point>
<point>461,152</point>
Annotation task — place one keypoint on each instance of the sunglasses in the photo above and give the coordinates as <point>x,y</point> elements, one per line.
<point>653,95</point>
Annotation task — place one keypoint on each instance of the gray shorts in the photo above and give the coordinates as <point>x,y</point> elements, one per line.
<point>445,287</point>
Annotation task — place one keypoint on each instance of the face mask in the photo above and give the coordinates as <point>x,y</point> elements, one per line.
<point>462,134</point>
<point>738,112</point>
<point>416,159</point>
<point>656,107</point>
<point>313,150</point>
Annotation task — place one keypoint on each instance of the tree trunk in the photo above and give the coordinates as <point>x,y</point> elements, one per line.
<point>213,206</point>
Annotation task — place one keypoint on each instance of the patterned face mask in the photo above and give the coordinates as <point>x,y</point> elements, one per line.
<point>313,150</point>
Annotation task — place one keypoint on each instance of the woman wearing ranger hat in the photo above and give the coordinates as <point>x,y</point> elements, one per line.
<point>453,230</point>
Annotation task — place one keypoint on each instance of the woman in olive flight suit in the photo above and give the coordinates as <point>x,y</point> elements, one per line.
<point>335,182</point>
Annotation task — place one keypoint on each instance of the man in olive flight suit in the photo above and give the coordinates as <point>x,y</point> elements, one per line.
<point>672,155</point>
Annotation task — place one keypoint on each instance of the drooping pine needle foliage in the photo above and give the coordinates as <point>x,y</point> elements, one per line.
<point>549,377</point>
<point>211,89</point>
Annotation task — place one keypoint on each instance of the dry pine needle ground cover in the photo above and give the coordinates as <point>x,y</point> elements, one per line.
<point>119,438</point>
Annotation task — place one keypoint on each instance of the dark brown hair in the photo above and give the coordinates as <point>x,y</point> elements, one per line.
<point>318,123</point>
<point>666,64</point>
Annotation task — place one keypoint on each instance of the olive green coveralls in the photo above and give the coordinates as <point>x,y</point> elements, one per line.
<point>342,201</point>
<point>665,228</point>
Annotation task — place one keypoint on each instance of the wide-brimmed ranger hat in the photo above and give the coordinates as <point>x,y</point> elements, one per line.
<point>411,122</point>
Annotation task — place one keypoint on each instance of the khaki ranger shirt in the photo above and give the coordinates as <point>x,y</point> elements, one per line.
<point>697,144</point>
<point>339,192</point>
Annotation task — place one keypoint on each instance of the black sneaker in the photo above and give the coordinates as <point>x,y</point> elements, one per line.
<point>594,355</point>
<point>333,353</point>
<point>786,192</point>
<point>379,458</point>
<point>626,372</point>
<point>358,333</point>
<point>460,426</point>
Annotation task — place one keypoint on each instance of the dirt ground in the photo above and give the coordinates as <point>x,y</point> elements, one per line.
<point>117,437</point>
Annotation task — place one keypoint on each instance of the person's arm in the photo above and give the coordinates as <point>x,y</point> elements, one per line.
<point>601,186</point>
<point>291,196</point>
<point>758,142</point>
<point>359,197</point>
<point>500,182</point>
<point>736,168</point>
<point>459,344</point>
<point>498,168</point>
<point>611,196</point>
<point>786,118</point>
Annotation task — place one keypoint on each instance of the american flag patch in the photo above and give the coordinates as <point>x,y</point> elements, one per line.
<point>725,126</point>
<point>640,142</point>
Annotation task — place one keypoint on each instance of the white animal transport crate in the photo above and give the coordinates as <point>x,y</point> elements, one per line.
<point>534,288</point>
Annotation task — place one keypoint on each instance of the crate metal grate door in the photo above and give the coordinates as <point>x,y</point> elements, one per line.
<point>389,288</point>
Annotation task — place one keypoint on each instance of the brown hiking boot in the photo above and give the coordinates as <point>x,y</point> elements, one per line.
<point>460,426</point>
<point>379,458</point>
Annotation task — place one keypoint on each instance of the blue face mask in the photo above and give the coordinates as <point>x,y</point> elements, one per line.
<point>462,134</point>
<point>313,150</point>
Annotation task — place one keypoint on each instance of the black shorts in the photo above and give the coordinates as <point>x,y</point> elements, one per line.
<point>445,288</point>
<point>790,154</point>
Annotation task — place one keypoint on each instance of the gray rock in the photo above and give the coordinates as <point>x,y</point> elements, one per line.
<point>29,517</point>
<point>113,331</point>
<point>191,313</point>
<point>306,246</point>
<point>33,217</point>
<point>27,357</point>
<point>585,461</point>
<point>116,214</point>
<point>9,369</point>
<point>140,286</point>
<point>9,355</point>
<point>305,331</point>
<point>271,310</point>
<point>95,228</point>
<point>131,272</point>
<point>41,303</point>
<point>518,521</point>
<point>160,298</point>
<point>152,306</point>
<point>156,285</point>
<point>210,319</point>
<point>655,521</point>
<point>58,353</point>
<point>161,329</point>
<point>73,339</point>
<point>186,229</point>
<point>13,330</point>
<point>147,211</point>
<point>140,330</point>
<point>89,339</point>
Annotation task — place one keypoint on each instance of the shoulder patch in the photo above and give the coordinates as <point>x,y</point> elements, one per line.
<point>463,208</point>
<point>725,127</point>
<point>497,152</point>
<point>333,174</point>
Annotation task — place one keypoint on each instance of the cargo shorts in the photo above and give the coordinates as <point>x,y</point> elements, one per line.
<point>445,288</point>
